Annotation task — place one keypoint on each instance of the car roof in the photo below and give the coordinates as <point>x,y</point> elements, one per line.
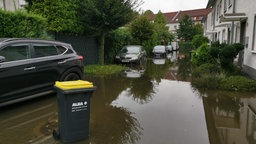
<point>7,40</point>
<point>159,46</point>
<point>133,46</point>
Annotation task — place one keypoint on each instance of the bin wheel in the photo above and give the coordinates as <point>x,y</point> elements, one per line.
<point>56,135</point>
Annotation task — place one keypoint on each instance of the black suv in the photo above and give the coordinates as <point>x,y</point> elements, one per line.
<point>30,67</point>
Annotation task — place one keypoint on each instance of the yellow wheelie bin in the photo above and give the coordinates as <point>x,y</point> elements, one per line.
<point>73,110</point>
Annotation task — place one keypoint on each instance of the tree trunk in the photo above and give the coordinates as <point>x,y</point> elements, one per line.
<point>102,43</point>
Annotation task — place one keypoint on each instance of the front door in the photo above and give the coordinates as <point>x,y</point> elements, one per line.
<point>243,41</point>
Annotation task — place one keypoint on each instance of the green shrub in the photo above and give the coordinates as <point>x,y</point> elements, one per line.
<point>215,44</point>
<point>214,52</point>
<point>238,83</point>
<point>185,47</point>
<point>207,81</point>
<point>227,54</point>
<point>198,40</point>
<point>238,47</point>
<point>206,69</point>
<point>207,76</point>
<point>21,24</point>
<point>202,55</point>
<point>115,41</point>
<point>103,69</point>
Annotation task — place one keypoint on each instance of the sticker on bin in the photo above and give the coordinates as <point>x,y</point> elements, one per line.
<point>69,85</point>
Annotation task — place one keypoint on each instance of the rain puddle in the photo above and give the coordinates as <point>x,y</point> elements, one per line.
<point>148,104</point>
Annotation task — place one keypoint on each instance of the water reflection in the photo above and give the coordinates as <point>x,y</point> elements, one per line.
<point>173,56</point>
<point>158,106</point>
<point>110,124</point>
<point>134,72</point>
<point>184,68</point>
<point>230,117</point>
<point>157,72</point>
<point>159,61</point>
<point>30,122</point>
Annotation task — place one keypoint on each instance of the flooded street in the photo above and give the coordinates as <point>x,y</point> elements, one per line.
<point>149,104</point>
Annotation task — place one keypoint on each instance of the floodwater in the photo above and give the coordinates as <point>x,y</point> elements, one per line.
<point>149,104</point>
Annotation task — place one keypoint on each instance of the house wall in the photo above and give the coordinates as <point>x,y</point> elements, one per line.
<point>230,32</point>
<point>249,62</point>
<point>10,5</point>
<point>173,27</point>
<point>209,28</point>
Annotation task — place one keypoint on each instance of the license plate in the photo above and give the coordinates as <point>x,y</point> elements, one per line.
<point>125,60</point>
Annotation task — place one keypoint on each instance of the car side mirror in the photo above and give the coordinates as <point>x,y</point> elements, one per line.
<point>2,59</point>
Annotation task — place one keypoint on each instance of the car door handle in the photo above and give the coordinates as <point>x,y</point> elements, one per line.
<point>62,62</point>
<point>29,68</point>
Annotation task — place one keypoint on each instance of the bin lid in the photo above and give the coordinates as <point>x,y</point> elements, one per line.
<point>69,85</point>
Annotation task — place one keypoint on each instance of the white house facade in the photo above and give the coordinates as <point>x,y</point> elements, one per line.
<point>234,21</point>
<point>12,5</point>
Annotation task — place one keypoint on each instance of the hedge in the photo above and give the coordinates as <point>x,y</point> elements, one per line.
<point>21,24</point>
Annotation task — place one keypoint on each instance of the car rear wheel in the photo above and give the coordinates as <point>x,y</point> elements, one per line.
<point>71,77</point>
<point>72,74</point>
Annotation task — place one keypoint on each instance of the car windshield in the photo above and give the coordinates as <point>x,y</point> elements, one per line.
<point>131,49</point>
<point>159,48</point>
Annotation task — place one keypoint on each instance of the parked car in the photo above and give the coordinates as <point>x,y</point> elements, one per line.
<point>131,54</point>
<point>169,48</point>
<point>159,51</point>
<point>30,67</point>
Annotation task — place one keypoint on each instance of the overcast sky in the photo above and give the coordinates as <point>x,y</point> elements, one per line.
<point>172,5</point>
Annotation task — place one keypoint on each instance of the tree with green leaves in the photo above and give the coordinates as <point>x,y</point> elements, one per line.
<point>148,13</point>
<point>161,29</point>
<point>198,40</point>
<point>186,28</point>
<point>198,29</point>
<point>102,16</point>
<point>141,29</point>
<point>160,18</point>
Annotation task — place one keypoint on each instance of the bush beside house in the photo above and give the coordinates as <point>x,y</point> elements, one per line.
<point>213,68</point>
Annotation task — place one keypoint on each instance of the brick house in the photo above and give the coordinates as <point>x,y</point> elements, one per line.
<point>173,18</point>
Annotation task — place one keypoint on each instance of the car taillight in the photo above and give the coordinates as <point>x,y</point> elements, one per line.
<point>80,57</point>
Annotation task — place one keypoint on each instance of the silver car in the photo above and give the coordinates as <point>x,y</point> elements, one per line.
<point>159,51</point>
<point>131,54</point>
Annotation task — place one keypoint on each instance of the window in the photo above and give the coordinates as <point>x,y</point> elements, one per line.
<point>47,50</point>
<point>229,3</point>
<point>254,35</point>
<point>213,18</point>
<point>15,52</point>
<point>225,6</point>
<point>62,50</point>
<point>224,36</point>
<point>217,12</point>
<point>220,10</point>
